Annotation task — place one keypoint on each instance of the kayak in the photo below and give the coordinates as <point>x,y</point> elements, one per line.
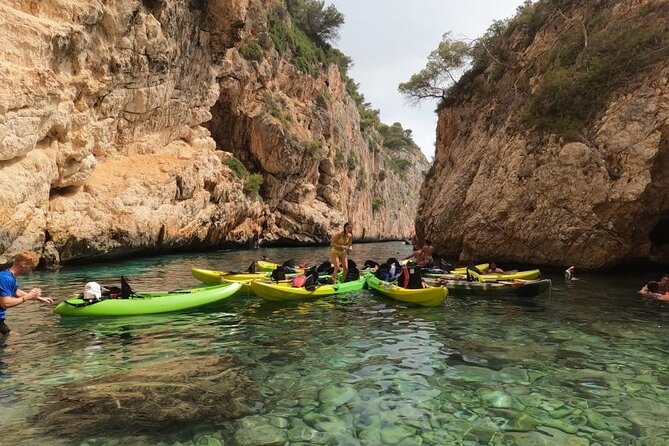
<point>520,288</point>
<point>285,292</point>
<point>208,276</point>
<point>531,274</point>
<point>271,266</point>
<point>246,283</point>
<point>463,269</point>
<point>211,277</point>
<point>428,297</point>
<point>148,303</point>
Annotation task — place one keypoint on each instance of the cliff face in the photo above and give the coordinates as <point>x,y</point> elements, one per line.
<point>103,145</point>
<point>558,151</point>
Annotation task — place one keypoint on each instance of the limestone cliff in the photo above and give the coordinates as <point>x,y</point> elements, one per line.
<point>554,148</point>
<point>103,145</point>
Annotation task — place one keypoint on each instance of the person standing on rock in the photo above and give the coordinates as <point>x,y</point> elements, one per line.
<point>342,244</point>
<point>10,294</point>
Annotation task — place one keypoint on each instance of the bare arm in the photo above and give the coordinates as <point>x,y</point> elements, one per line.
<point>22,296</point>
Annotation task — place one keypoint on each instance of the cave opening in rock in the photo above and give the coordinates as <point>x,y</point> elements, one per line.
<point>659,236</point>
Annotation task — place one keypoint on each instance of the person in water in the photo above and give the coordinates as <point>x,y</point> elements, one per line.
<point>10,293</point>
<point>569,273</point>
<point>652,290</point>
<point>663,286</point>
<point>341,244</point>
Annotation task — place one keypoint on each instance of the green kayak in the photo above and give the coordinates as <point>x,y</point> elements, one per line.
<point>148,303</point>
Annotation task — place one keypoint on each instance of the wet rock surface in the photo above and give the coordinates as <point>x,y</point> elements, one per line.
<point>164,396</point>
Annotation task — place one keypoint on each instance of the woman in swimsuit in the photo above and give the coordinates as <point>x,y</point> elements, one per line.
<point>341,244</point>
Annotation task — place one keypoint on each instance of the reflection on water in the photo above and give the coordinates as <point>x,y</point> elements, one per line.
<point>587,366</point>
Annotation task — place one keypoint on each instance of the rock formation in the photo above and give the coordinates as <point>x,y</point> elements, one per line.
<point>160,397</point>
<point>556,150</point>
<point>104,149</point>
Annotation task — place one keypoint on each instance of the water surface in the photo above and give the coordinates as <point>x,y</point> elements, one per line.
<point>585,366</point>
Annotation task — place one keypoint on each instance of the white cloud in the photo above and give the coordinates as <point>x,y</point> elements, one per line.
<point>389,40</point>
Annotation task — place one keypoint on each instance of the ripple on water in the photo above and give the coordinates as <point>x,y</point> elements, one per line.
<point>589,365</point>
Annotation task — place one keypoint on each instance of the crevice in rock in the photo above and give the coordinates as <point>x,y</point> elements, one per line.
<point>67,191</point>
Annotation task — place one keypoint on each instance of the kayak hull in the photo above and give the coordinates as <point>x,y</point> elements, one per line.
<point>285,292</point>
<point>271,266</point>
<point>519,288</point>
<point>149,303</point>
<point>427,297</point>
<point>208,276</point>
<point>532,274</point>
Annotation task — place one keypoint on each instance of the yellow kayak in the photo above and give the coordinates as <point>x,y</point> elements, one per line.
<point>463,269</point>
<point>531,274</point>
<point>427,297</point>
<point>210,277</point>
<point>271,266</point>
<point>285,292</point>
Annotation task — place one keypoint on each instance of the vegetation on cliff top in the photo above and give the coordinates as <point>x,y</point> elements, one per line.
<point>306,29</point>
<point>595,54</point>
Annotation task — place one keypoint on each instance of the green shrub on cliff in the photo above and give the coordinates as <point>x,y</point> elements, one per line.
<point>398,165</point>
<point>579,80</point>
<point>596,53</point>
<point>352,161</point>
<point>276,106</point>
<point>320,23</point>
<point>236,166</point>
<point>377,203</point>
<point>395,137</point>
<point>313,148</point>
<point>252,184</point>
<point>251,51</point>
<point>339,160</point>
<point>305,28</point>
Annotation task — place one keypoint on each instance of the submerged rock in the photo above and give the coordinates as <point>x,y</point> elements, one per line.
<point>153,398</point>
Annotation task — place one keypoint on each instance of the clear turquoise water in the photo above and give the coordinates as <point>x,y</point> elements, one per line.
<point>586,366</point>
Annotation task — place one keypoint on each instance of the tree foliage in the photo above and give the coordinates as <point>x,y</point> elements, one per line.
<point>317,21</point>
<point>395,137</point>
<point>444,64</point>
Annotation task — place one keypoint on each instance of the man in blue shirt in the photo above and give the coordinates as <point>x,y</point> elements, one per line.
<point>10,294</point>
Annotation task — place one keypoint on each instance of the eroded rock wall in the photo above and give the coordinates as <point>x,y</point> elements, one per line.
<point>103,149</point>
<point>500,190</point>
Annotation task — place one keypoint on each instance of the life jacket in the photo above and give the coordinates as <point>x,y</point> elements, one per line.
<point>352,274</point>
<point>445,265</point>
<point>311,281</point>
<point>126,291</point>
<point>415,279</point>
<point>289,266</point>
<point>111,291</point>
<point>471,277</point>
<point>299,281</point>
<point>325,268</point>
<point>403,278</point>
<point>393,261</point>
<point>279,273</point>
<point>383,272</point>
<point>370,264</point>
<point>251,269</point>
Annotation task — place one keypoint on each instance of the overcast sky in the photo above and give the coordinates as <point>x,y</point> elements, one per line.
<point>389,40</point>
